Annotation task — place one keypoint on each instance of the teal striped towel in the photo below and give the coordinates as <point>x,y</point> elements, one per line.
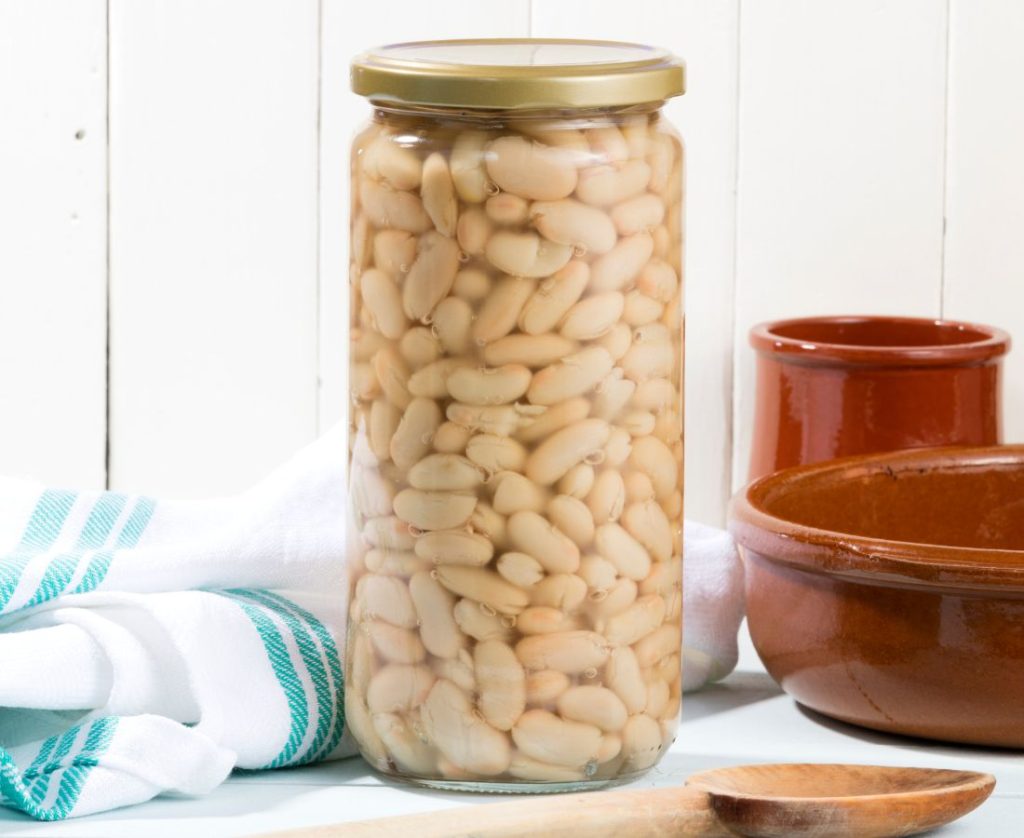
<point>151,647</point>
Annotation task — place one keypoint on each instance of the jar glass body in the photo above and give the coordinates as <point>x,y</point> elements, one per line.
<point>516,445</point>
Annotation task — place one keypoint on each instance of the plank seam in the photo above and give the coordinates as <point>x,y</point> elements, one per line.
<point>107,245</point>
<point>319,211</point>
<point>733,480</point>
<point>945,165</point>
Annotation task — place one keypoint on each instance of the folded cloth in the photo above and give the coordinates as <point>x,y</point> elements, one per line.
<point>151,647</point>
<point>712,604</point>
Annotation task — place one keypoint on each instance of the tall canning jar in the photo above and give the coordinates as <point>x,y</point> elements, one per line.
<point>516,413</point>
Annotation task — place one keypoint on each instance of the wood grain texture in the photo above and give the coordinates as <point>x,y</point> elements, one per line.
<point>53,232</point>
<point>842,119</point>
<point>213,149</point>
<point>344,35</point>
<point>984,265</point>
<point>705,34</point>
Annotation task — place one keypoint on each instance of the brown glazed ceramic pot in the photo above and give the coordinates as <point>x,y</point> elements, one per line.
<point>831,387</point>
<point>888,590</point>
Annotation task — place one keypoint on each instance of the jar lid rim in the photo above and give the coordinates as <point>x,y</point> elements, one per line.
<point>518,73</point>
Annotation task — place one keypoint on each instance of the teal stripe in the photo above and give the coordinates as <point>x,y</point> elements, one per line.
<point>74,772</point>
<point>43,528</point>
<point>284,670</point>
<point>326,697</point>
<point>131,532</point>
<point>40,778</point>
<point>97,528</point>
<point>96,743</point>
<point>333,663</point>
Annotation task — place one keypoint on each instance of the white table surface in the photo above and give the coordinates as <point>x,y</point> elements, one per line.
<point>744,719</point>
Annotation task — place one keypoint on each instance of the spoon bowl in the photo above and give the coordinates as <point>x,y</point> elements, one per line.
<point>794,800</point>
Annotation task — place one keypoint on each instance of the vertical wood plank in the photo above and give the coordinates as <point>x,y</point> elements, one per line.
<point>213,122</point>
<point>705,34</point>
<point>344,35</point>
<point>53,240</point>
<point>984,276</point>
<point>841,171</point>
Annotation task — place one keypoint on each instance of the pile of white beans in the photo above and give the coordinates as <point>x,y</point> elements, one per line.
<point>516,447</point>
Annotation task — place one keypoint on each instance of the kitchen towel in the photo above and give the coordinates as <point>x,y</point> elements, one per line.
<point>151,647</point>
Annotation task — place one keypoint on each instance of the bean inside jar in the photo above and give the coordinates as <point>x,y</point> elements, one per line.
<point>516,445</point>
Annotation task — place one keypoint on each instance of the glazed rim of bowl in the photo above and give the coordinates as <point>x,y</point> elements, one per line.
<point>869,559</point>
<point>871,340</point>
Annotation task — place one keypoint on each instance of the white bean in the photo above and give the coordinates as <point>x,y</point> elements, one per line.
<point>520,569</point>
<point>573,518</point>
<point>582,227</point>
<point>384,300</point>
<point>529,350</point>
<point>386,207</point>
<point>411,440</point>
<point>489,385</point>
<point>526,254</point>
<point>622,550</point>
<point>494,453</point>
<point>467,165</point>
<point>501,683</point>
<point>393,643</point>
<point>545,686</point>
<point>637,215</point>
<point>621,265</point>
<point>431,276</point>
<point>571,652</point>
<point>593,316</point>
<point>434,510</point>
<point>545,737</point>
<point>454,547</point>
<point>484,586</point>
<point>573,376</point>
<point>536,536</point>
<point>445,472</point>
<point>595,706</point>
<point>461,736</point>
<point>398,688</point>
<point>386,598</point>
<point>515,493</point>
<point>438,194</point>
<point>529,169</point>
<point>452,321</point>
<point>498,314</point>
<point>394,251</point>
<point>565,448</point>
<point>553,298</point>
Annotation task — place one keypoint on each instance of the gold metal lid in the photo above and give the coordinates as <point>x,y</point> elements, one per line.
<point>518,73</point>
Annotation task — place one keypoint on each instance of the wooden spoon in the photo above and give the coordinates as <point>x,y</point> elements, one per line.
<point>756,800</point>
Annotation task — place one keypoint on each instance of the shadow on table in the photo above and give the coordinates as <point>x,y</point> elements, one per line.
<point>738,690</point>
<point>914,743</point>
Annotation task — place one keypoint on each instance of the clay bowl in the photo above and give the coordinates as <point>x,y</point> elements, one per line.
<point>887,590</point>
<point>831,387</point>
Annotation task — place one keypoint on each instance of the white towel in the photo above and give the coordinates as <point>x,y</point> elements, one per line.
<point>712,604</point>
<point>153,646</point>
<point>150,647</point>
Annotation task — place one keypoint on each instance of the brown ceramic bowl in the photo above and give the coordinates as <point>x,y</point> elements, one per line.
<point>887,590</point>
<point>832,387</point>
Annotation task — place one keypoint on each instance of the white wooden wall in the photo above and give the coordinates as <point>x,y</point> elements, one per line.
<point>173,202</point>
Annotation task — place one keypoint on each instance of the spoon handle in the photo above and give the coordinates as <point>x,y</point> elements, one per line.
<point>677,811</point>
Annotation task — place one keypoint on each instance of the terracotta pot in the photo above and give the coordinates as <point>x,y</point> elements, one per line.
<point>831,387</point>
<point>888,590</point>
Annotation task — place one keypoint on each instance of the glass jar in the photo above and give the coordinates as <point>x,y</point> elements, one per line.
<point>516,414</point>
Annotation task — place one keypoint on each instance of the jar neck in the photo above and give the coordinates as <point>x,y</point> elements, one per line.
<point>577,117</point>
